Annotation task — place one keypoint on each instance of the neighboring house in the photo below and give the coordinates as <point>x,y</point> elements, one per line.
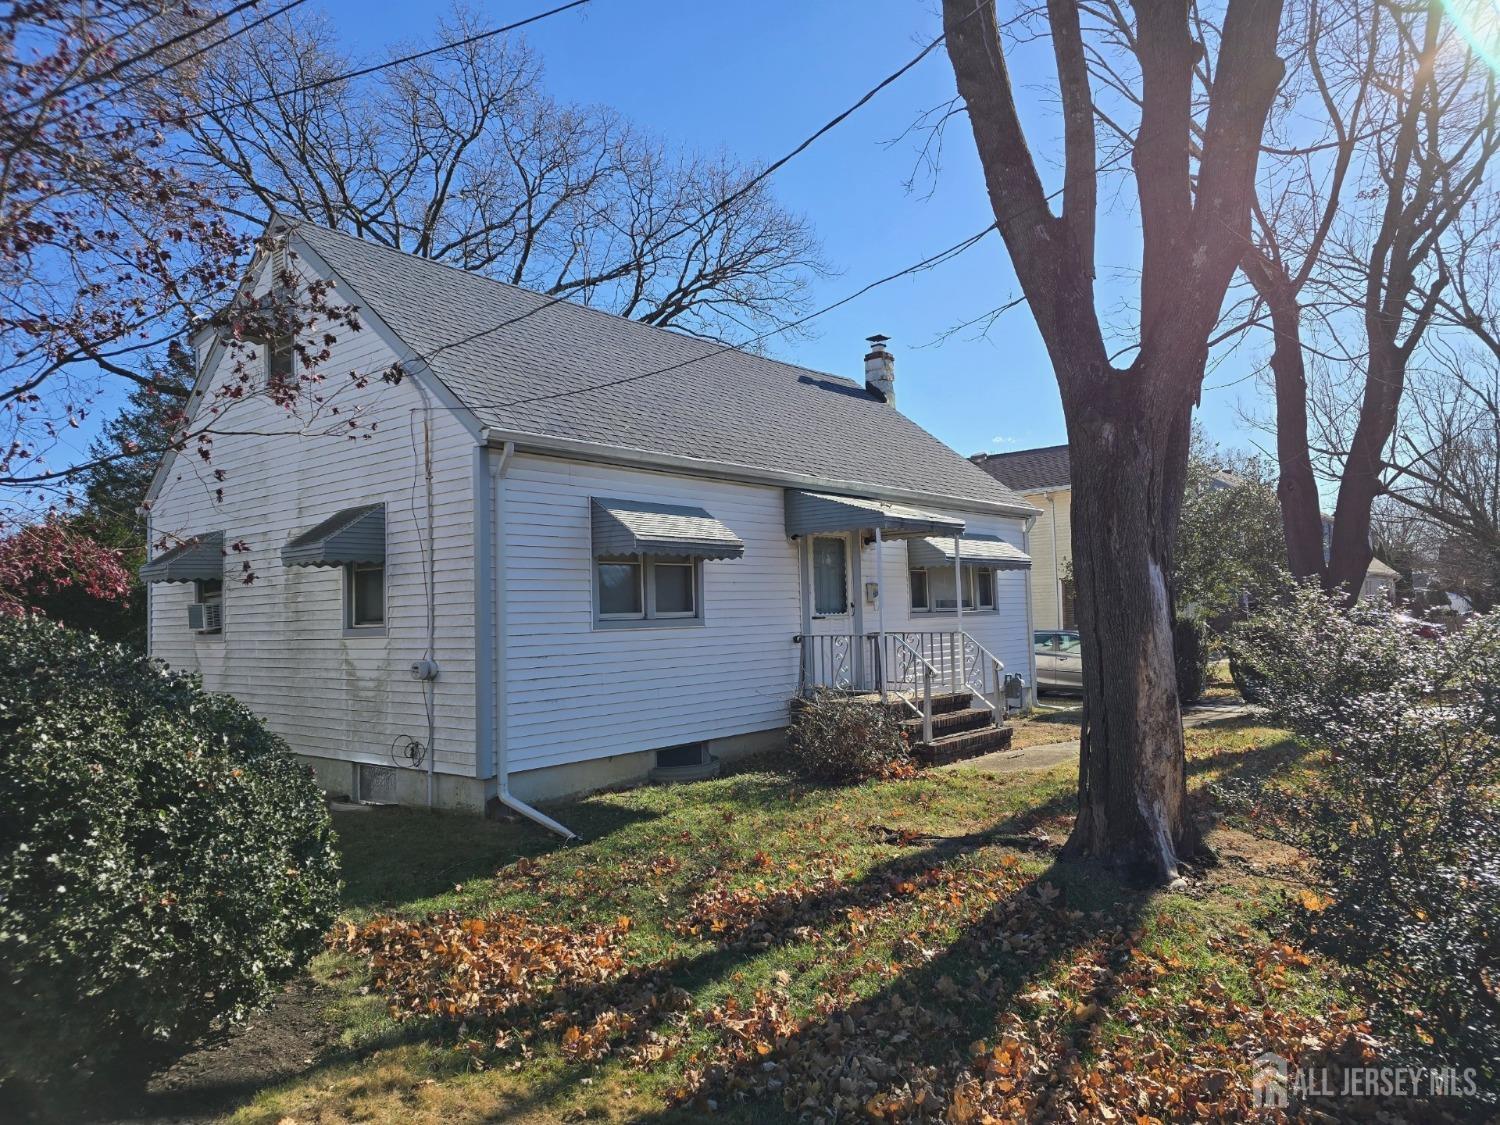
<point>1043,476</point>
<point>1380,579</point>
<point>565,547</point>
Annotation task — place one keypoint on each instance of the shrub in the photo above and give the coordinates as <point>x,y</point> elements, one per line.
<point>1190,652</point>
<point>839,740</point>
<point>164,862</point>
<point>1404,825</point>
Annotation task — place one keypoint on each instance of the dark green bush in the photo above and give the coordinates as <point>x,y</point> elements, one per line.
<point>835,739</point>
<point>164,862</point>
<point>1190,653</point>
<point>1403,826</point>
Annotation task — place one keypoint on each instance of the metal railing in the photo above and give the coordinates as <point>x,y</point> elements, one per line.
<point>906,663</point>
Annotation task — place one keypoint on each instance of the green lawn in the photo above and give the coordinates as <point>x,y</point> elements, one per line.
<point>769,950</point>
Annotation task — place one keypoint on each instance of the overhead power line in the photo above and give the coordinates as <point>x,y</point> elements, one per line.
<point>917,267</point>
<point>360,72</point>
<point>199,51</point>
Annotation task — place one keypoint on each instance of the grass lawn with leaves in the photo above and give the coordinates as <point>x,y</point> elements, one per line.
<point>762,949</point>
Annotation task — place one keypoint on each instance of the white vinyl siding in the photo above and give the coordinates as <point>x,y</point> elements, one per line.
<point>284,651</point>
<point>578,691</point>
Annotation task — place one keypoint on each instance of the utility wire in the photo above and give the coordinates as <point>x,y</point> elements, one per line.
<point>360,72</point>
<point>124,64</point>
<point>739,193</point>
<point>917,267</point>
<point>197,52</point>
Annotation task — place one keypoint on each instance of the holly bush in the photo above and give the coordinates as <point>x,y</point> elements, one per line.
<point>1403,824</point>
<point>165,863</point>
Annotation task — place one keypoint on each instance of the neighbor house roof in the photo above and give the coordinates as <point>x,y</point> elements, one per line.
<point>1029,470</point>
<point>527,364</point>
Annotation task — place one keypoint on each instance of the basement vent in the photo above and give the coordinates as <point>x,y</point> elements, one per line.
<point>377,784</point>
<point>689,762</point>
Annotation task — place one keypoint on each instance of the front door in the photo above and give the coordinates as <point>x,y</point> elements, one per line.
<point>835,656</point>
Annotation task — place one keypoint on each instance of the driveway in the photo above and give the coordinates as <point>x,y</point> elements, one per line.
<point>1051,754</point>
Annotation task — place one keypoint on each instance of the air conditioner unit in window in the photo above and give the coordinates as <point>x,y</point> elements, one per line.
<point>205,617</point>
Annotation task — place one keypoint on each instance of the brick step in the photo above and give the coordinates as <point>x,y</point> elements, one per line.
<point>964,744</point>
<point>949,722</point>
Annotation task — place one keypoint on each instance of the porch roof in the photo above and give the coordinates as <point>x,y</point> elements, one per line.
<point>200,558</point>
<point>977,550</point>
<point>640,527</point>
<point>811,512</point>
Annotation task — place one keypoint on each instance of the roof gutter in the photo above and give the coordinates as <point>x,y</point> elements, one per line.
<point>748,474</point>
<point>494,577</point>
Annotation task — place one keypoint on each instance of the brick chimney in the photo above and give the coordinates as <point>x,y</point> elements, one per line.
<point>880,370</point>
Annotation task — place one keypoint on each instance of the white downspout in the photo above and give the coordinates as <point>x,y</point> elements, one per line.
<point>1057,589</point>
<point>498,468</point>
<point>1030,623</point>
<point>880,609</point>
<point>959,642</point>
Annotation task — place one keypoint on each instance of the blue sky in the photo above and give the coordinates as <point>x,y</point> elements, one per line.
<point>753,80</point>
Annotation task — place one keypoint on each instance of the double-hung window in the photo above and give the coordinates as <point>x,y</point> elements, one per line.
<point>364,596</point>
<point>647,588</point>
<point>933,590</point>
<point>208,597</point>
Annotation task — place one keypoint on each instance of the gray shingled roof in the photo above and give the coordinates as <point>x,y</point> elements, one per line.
<point>540,374</point>
<point>1028,469</point>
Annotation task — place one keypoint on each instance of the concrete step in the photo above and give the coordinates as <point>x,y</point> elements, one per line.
<point>963,744</point>
<point>949,722</point>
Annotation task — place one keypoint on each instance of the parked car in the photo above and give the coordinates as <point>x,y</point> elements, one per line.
<point>1059,660</point>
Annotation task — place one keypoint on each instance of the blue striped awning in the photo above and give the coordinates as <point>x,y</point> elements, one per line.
<point>354,535</point>
<point>198,559</point>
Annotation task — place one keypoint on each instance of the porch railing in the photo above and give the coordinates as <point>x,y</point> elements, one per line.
<point>903,663</point>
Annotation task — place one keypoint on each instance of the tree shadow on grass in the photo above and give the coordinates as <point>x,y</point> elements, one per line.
<point>394,856</point>
<point>969,984</point>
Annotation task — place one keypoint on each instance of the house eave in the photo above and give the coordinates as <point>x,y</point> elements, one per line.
<point>745,474</point>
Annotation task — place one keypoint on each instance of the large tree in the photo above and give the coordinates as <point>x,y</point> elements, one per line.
<point>1366,221</point>
<point>463,157</point>
<point>1129,426</point>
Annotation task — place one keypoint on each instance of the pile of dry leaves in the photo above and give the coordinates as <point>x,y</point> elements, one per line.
<point>1117,1033</point>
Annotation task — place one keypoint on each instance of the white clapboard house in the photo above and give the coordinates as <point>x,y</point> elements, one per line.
<point>567,549</point>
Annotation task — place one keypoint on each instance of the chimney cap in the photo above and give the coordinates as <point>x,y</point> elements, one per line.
<point>877,341</point>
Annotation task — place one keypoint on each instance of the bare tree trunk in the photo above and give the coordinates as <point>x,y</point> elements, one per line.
<point>1364,467</point>
<point>1128,430</point>
<point>1297,488</point>
<point>1132,785</point>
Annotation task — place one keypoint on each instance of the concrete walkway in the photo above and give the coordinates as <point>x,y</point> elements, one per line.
<point>1049,754</point>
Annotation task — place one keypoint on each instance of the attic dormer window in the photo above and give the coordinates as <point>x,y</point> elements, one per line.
<point>281,360</point>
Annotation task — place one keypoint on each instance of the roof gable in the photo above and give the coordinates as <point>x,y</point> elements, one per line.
<point>526,363</point>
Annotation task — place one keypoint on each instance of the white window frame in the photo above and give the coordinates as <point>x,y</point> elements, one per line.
<point>649,615</point>
<point>353,627</point>
<point>970,593</point>
<point>843,542</point>
<point>202,599</point>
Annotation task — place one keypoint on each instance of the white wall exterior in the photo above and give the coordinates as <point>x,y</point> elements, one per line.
<point>577,691</point>
<point>282,650</point>
<point>571,692</point>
